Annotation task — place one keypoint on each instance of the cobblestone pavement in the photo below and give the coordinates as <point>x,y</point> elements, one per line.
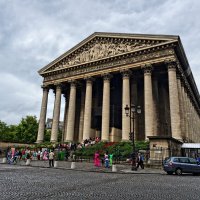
<point>21,182</point>
<point>89,166</point>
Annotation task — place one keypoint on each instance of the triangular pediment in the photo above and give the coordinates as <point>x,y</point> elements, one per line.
<point>105,45</point>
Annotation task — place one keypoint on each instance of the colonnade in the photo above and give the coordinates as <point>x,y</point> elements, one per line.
<point>184,118</point>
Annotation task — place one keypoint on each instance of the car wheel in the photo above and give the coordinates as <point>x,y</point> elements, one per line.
<point>169,173</point>
<point>178,171</point>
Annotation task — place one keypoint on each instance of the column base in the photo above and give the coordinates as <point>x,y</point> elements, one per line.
<point>68,141</point>
<point>126,141</point>
<point>39,141</point>
<point>53,141</point>
<point>105,140</point>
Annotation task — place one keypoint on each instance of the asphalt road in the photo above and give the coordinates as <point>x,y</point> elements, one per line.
<point>18,182</point>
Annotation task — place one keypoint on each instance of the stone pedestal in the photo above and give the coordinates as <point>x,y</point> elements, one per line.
<point>28,162</point>
<point>114,168</point>
<point>73,165</point>
<point>4,160</point>
<point>55,164</point>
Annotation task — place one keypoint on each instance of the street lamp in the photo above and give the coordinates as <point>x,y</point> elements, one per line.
<point>131,112</point>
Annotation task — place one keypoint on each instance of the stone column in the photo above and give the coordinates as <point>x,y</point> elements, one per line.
<point>65,117</point>
<point>187,115</point>
<point>56,115</point>
<point>125,101</point>
<point>155,108</point>
<point>191,119</point>
<point>180,97</point>
<point>106,108</point>
<point>185,129</point>
<point>148,101</point>
<point>71,113</point>
<point>81,121</point>
<point>88,110</point>
<point>174,101</point>
<point>41,129</point>
<point>134,101</point>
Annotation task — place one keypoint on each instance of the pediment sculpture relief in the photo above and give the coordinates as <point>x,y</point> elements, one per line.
<point>101,49</point>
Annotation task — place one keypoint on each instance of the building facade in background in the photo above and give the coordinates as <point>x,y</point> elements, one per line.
<point>107,71</point>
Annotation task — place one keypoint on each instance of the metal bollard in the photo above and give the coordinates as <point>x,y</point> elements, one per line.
<point>114,168</point>
<point>73,165</point>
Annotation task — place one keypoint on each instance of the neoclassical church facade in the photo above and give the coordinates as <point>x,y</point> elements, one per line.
<point>107,71</point>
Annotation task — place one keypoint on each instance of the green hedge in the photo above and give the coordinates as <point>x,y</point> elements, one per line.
<point>123,149</point>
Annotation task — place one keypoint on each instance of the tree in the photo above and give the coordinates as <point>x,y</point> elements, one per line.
<point>3,130</point>
<point>27,129</point>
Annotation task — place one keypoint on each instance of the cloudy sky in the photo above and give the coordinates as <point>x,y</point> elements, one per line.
<point>35,32</point>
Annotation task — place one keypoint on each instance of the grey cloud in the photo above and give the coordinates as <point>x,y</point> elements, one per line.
<point>33,33</point>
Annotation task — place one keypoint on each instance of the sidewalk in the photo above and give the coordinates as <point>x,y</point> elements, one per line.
<point>86,166</point>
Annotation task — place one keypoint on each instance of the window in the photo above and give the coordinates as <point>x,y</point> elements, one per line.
<point>192,161</point>
<point>184,160</point>
<point>175,160</point>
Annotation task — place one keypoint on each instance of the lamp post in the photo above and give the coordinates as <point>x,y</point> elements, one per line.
<point>131,112</point>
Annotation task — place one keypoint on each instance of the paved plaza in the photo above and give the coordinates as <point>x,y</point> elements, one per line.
<point>21,182</point>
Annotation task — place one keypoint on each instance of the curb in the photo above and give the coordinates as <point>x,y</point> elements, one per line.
<point>90,170</point>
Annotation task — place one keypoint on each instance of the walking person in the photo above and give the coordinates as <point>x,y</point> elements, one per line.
<point>96,159</point>
<point>140,162</point>
<point>106,158</point>
<point>51,159</point>
<point>110,159</point>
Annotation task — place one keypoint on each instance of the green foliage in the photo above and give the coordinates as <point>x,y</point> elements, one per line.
<point>27,129</point>
<point>123,149</point>
<point>7,133</point>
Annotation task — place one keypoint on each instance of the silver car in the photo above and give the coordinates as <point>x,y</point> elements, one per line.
<point>179,165</point>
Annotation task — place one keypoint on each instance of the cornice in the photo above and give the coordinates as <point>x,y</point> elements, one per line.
<point>114,64</point>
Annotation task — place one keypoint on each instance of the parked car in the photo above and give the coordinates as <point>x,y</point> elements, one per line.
<point>179,165</point>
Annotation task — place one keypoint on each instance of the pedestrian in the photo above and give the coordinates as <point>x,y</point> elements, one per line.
<point>106,158</point>
<point>110,159</point>
<point>96,159</point>
<point>51,159</point>
<point>140,161</point>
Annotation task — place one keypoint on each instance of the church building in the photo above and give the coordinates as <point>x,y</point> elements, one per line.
<point>107,72</point>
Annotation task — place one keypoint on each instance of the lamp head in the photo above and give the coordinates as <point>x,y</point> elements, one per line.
<point>127,110</point>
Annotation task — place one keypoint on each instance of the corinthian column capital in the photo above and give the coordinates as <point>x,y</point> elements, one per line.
<point>89,79</point>
<point>106,76</point>
<point>126,73</point>
<point>171,64</point>
<point>147,68</point>
<point>45,88</point>
<point>58,85</point>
